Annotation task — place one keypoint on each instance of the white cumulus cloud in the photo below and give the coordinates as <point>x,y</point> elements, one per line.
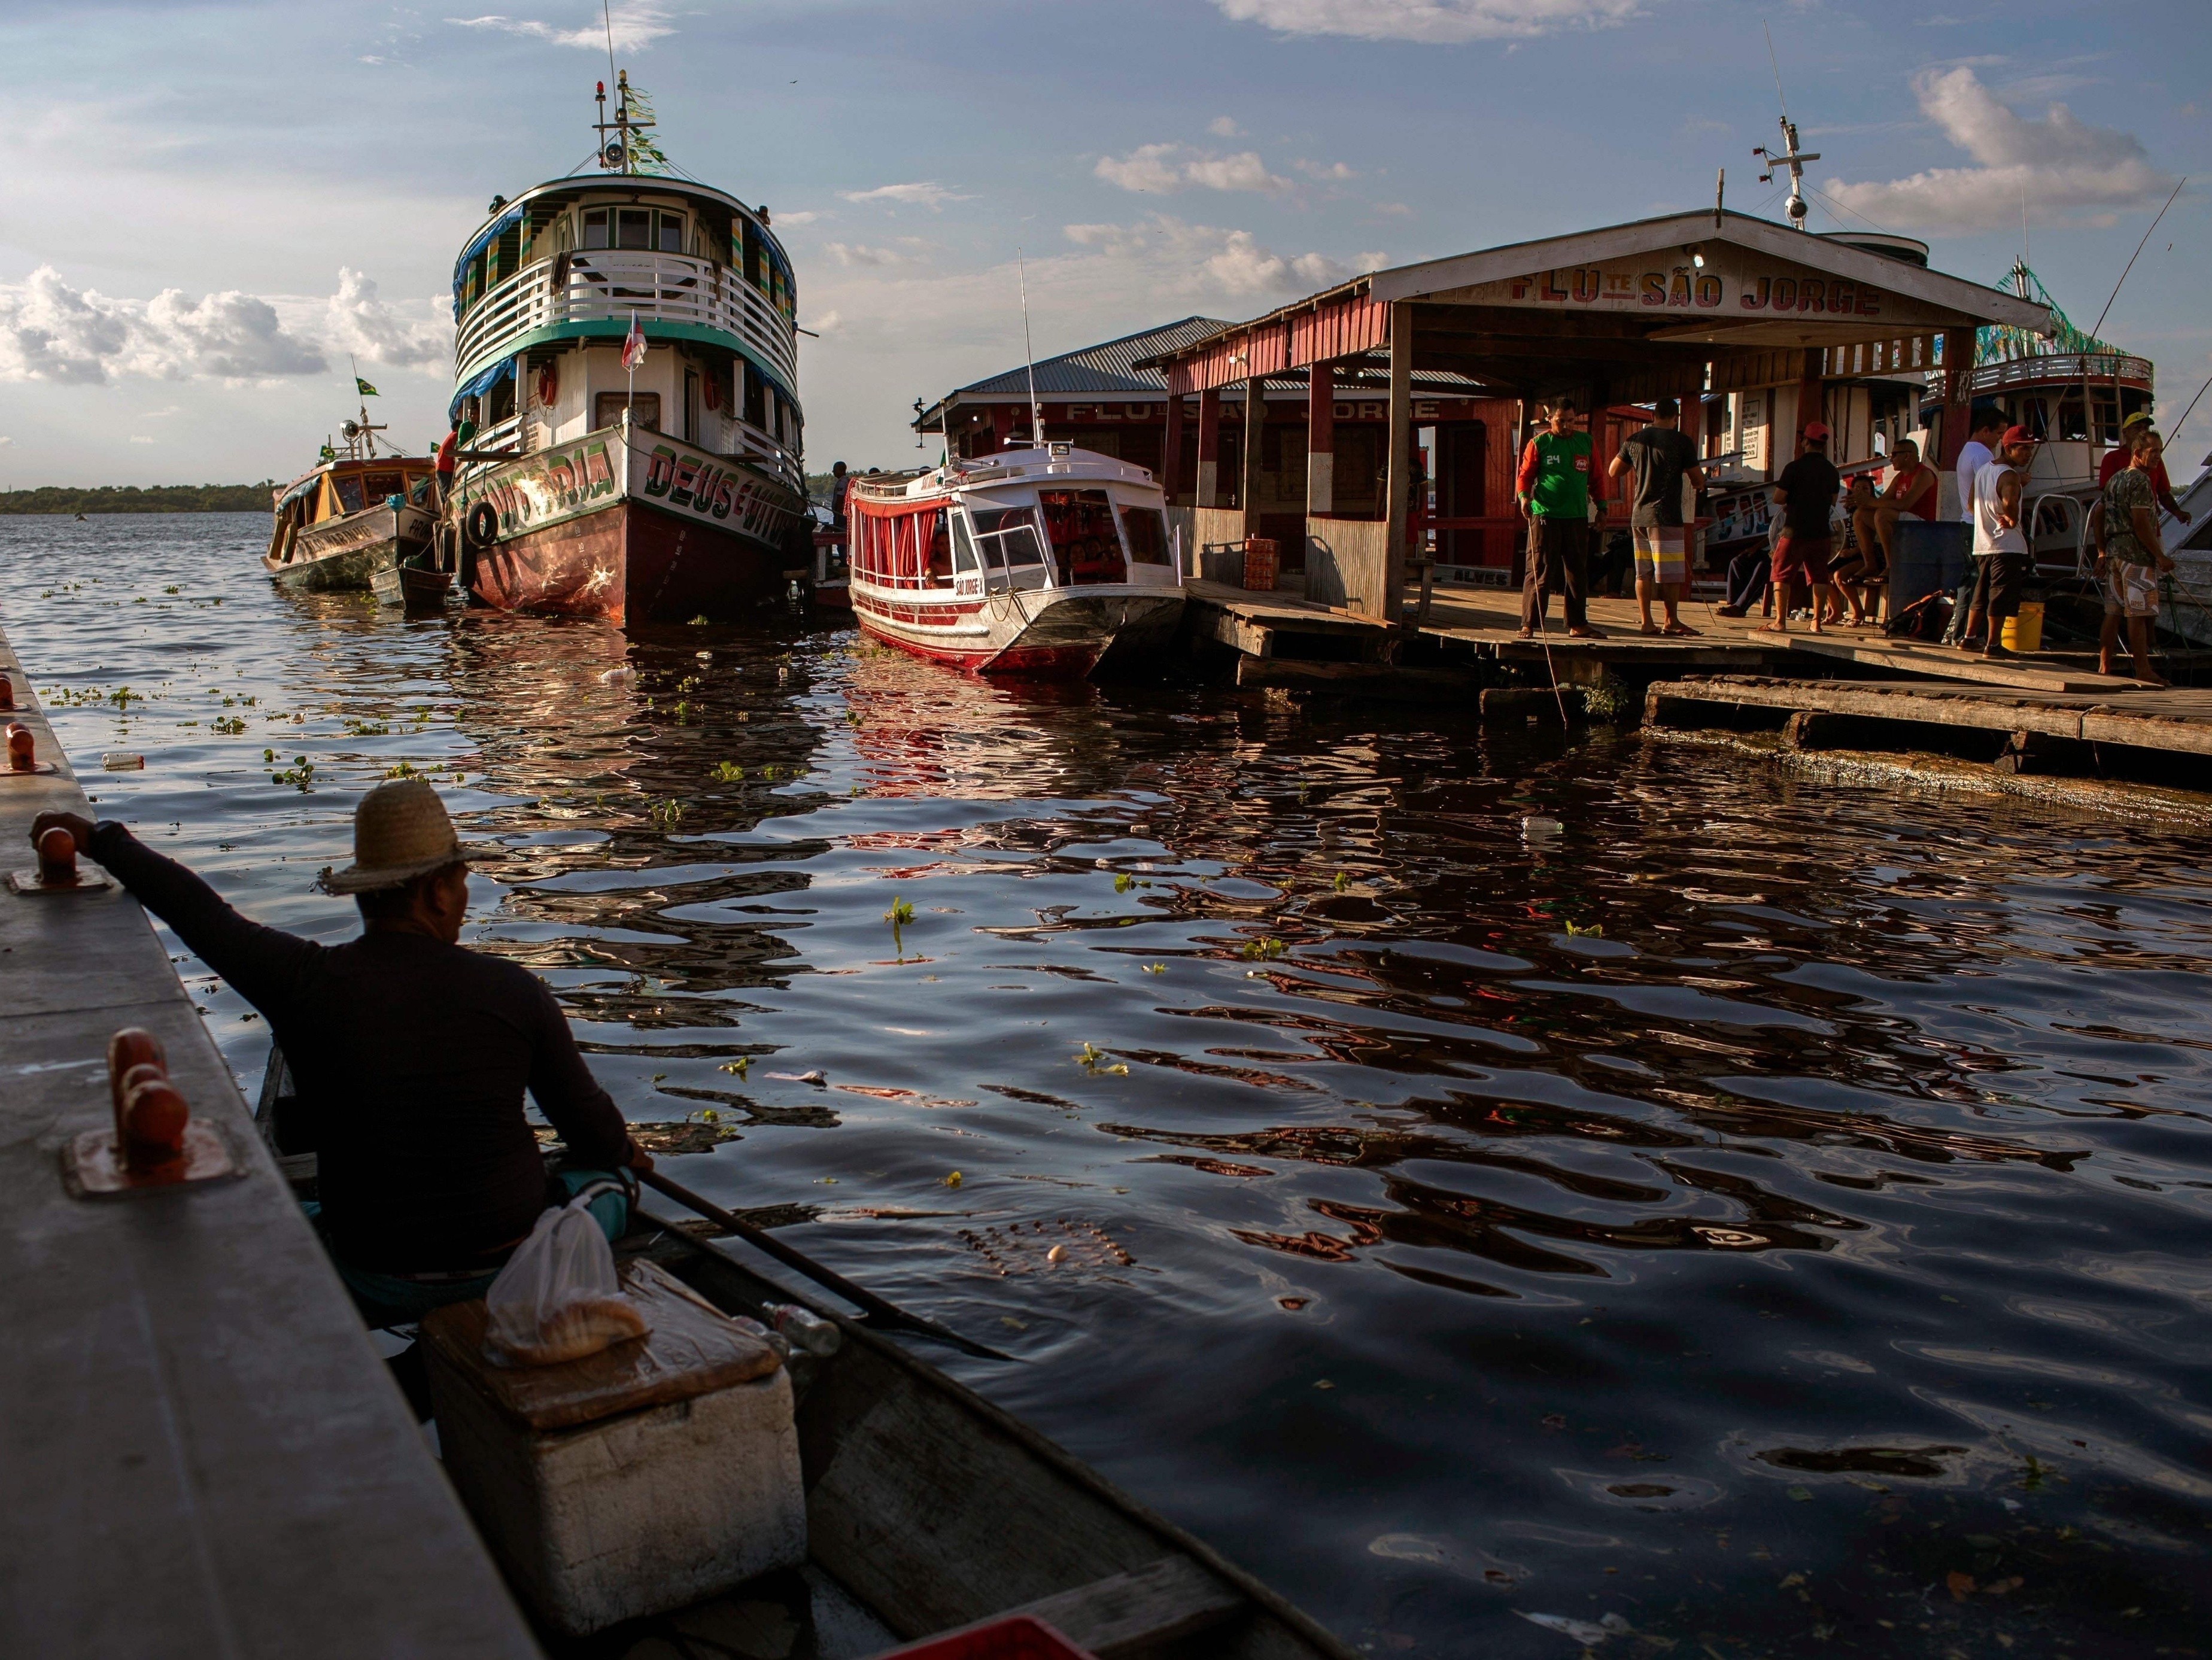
<point>370,328</point>
<point>2056,162</point>
<point>635,24</point>
<point>1434,23</point>
<point>1331,170</point>
<point>1161,168</point>
<point>925,193</point>
<point>52,331</point>
<point>1225,126</point>
<point>1198,261</point>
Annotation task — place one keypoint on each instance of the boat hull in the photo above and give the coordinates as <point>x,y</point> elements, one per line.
<point>346,554</point>
<point>648,530</point>
<point>1041,633</point>
<point>413,587</point>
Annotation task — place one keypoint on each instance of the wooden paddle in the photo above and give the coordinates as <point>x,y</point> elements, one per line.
<point>886,1316</point>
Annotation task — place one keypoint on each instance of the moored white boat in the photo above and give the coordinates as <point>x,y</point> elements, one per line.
<point>1031,562</point>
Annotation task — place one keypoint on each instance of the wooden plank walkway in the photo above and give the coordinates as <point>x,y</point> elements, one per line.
<point>2177,720</point>
<point>205,1454</point>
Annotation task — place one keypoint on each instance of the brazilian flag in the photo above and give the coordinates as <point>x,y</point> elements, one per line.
<point>365,389</point>
<point>328,453</point>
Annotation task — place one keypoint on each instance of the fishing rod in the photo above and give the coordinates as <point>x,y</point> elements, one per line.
<point>889,1315</point>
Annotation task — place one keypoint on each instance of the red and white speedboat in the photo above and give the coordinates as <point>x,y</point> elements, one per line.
<point>1034,562</point>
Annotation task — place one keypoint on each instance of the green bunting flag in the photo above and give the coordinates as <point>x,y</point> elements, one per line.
<point>328,453</point>
<point>365,389</point>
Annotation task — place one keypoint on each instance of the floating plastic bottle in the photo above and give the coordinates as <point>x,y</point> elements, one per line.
<point>804,1330</point>
<point>621,675</point>
<point>121,761</point>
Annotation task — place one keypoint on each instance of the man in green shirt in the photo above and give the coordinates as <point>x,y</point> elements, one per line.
<point>2132,557</point>
<point>1554,490</point>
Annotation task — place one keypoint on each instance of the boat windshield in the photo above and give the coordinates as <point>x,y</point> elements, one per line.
<point>1007,543</point>
<point>1146,530</point>
<point>347,486</point>
<point>1084,545</point>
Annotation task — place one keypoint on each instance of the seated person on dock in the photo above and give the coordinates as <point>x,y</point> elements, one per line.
<point>411,1054</point>
<point>1913,489</point>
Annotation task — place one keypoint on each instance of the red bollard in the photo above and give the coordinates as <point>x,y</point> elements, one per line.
<point>7,693</point>
<point>57,858</point>
<point>131,1050</point>
<point>153,1118</point>
<point>22,748</point>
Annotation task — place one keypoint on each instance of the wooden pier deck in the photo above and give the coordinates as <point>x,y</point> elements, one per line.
<point>206,1455</point>
<point>1281,630</point>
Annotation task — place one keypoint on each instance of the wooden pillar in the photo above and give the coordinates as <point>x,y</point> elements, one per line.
<point>1321,440</point>
<point>1255,423</point>
<point>1002,426</point>
<point>1810,391</point>
<point>1398,475</point>
<point>1958,399</point>
<point>1209,448</point>
<point>1171,451</point>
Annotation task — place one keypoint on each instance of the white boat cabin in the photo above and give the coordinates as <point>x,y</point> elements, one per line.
<point>1051,517</point>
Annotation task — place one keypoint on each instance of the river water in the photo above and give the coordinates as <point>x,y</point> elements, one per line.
<point>1606,1182</point>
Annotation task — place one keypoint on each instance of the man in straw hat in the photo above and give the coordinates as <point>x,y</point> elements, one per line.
<point>410,1055</point>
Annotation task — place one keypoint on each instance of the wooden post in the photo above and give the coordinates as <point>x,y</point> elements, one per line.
<point>1321,440</point>
<point>1002,426</point>
<point>1255,423</point>
<point>1810,391</point>
<point>1171,451</point>
<point>1209,448</point>
<point>1398,475</point>
<point>1958,399</point>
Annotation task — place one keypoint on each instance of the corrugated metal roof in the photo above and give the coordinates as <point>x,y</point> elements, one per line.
<point>1105,367</point>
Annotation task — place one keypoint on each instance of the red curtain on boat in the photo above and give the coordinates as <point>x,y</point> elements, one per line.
<point>893,548</point>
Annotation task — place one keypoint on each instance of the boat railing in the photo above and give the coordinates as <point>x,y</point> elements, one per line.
<point>2062,369</point>
<point>609,285</point>
<point>1012,558</point>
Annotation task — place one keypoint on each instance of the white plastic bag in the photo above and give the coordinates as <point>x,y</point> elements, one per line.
<point>557,1298</point>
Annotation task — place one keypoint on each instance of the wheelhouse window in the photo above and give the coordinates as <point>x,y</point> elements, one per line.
<point>644,408</point>
<point>1006,538</point>
<point>1146,530</point>
<point>633,227</point>
<point>669,233</point>
<point>347,486</point>
<point>1084,547</point>
<point>596,226</point>
<point>377,485</point>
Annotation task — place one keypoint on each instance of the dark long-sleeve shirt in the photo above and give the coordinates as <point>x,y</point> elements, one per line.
<point>411,1057</point>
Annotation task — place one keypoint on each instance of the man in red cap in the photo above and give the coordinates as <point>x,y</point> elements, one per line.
<point>1807,492</point>
<point>2003,560</point>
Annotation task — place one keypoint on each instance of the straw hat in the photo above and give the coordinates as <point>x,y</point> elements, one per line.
<point>400,831</point>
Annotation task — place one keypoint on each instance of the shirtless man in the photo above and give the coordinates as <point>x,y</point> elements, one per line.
<point>1913,488</point>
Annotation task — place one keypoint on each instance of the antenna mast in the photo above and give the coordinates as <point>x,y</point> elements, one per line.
<point>1029,354</point>
<point>1791,157</point>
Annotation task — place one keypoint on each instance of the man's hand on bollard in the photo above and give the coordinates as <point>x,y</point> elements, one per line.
<point>78,826</point>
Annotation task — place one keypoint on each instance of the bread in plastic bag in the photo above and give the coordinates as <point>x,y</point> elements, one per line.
<point>557,1298</point>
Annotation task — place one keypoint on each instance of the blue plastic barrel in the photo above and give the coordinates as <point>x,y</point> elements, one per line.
<point>1932,558</point>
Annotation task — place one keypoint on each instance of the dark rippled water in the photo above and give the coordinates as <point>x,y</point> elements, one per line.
<point>1737,1215</point>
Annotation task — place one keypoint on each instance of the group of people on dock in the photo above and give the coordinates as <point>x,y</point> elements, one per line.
<point>1803,568</point>
<point>1552,488</point>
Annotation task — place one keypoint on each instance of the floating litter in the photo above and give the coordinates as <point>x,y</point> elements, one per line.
<point>121,761</point>
<point>618,677</point>
<point>1541,829</point>
<point>704,656</point>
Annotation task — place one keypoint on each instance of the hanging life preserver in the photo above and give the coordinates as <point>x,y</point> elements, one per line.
<point>549,384</point>
<point>481,527</point>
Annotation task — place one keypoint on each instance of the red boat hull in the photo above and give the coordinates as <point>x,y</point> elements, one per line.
<point>627,562</point>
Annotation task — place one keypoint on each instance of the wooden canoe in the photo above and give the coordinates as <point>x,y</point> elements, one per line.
<point>929,1509</point>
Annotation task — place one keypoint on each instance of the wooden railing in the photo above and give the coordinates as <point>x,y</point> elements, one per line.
<point>608,285</point>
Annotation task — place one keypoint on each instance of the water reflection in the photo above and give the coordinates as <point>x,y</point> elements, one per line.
<point>1476,1163</point>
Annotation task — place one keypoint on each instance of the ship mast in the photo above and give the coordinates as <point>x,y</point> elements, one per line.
<point>1795,161</point>
<point>618,155</point>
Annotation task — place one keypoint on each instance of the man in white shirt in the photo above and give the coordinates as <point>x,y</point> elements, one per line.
<point>1984,425</point>
<point>2001,557</point>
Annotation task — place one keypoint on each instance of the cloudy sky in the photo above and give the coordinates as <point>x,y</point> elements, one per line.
<point>210,206</point>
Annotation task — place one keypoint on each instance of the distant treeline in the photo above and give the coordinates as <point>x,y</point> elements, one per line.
<point>130,498</point>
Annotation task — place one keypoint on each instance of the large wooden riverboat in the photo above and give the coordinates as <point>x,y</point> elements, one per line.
<point>928,1508</point>
<point>629,341</point>
<point>353,516</point>
<point>1031,562</point>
